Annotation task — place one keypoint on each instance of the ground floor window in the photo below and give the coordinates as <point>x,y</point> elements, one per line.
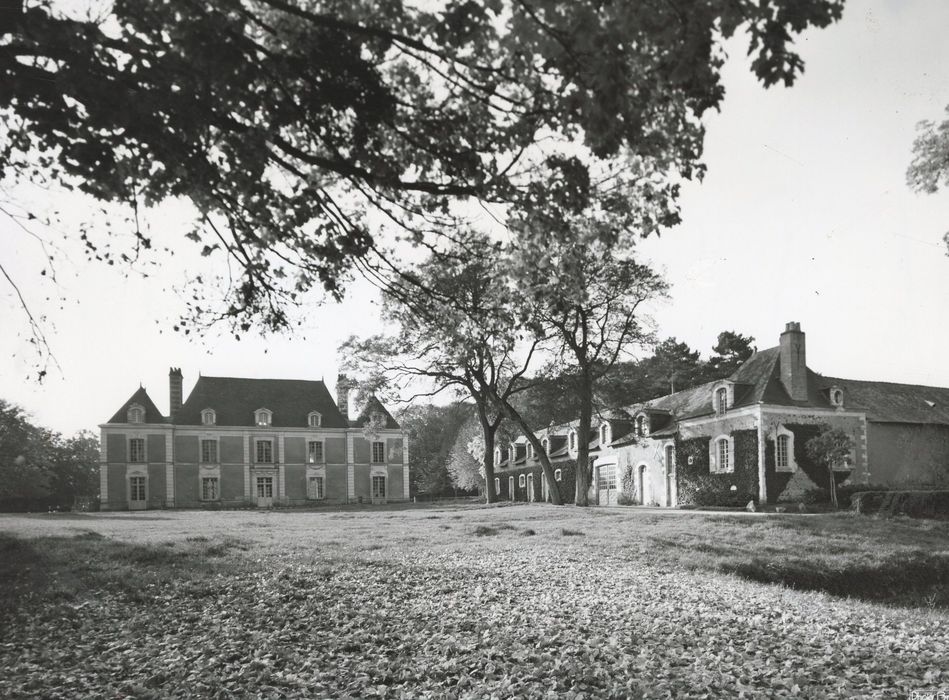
<point>521,480</point>
<point>314,488</point>
<point>264,487</point>
<point>137,488</point>
<point>378,487</point>
<point>497,486</point>
<point>210,488</point>
<point>558,475</point>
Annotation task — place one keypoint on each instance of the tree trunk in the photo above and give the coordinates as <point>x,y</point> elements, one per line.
<point>833,487</point>
<point>584,469</point>
<point>488,431</point>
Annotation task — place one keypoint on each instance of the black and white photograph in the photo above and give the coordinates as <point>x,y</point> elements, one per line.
<point>475,349</point>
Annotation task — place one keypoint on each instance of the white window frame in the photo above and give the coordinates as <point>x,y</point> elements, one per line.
<point>642,425</point>
<point>314,419</point>
<point>263,417</point>
<point>522,481</point>
<point>372,450</point>
<point>144,459</point>
<point>136,411</point>
<point>606,434</point>
<point>834,401</point>
<point>669,457</point>
<point>208,417</point>
<point>258,442</point>
<point>558,474</point>
<point>714,455</point>
<point>572,441</point>
<point>497,456</point>
<point>497,485</point>
<point>545,445</point>
<point>721,400</point>
<point>144,482</point>
<point>310,480</point>
<point>372,486</point>
<point>205,479</point>
<point>217,454</point>
<point>791,466</point>
<point>322,455</point>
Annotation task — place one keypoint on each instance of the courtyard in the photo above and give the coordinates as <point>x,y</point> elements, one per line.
<point>472,601</point>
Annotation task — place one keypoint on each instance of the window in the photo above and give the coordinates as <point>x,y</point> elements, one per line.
<point>378,452</point>
<point>558,475</point>
<point>573,441</point>
<point>521,480</point>
<point>137,450</point>
<point>721,400</point>
<point>264,487</point>
<point>497,456</point>
<point>210,488</point>
<point>314,451</point>
<point>724,461</point>
<point>136,414</point>
<point>605,434</point>
<point>314,488</point>
<point>641,427</point>
<point>781,459</point>
<point>378,487</point>
<point>137,488</point>
<point>208,417</point>
<point>263,417</point>
<point>314,420</point>
<point>209,451</point>
<point>606,478</point>
<point>264,451</point>
<point>497,486</point>
<point>544,444</point>
<point>530,451</point>
<point>670,458</point>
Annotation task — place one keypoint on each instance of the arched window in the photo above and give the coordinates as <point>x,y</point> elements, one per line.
<point>573,440</point>
<point>497,455</point>
<point>605,434</point>
<point>497,486</point>
<point>721,400</point>
<point>522,480</point>
<point>263,416</point>
<point>781,458</point>
<point>642,427</point>
<point>724,455</point>
<point>670,458</point>
<point>558,475</point>
<point>136,414</point>
<point>314,420</point>
<point>208,416</point>
<point>544,445</point>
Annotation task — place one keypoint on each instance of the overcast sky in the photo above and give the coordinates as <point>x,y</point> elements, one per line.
<point>804,216</point>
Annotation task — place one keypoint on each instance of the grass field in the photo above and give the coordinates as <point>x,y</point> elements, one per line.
<point>465,601</point>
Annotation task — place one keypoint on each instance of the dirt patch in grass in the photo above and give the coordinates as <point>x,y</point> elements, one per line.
<point>567,532</point>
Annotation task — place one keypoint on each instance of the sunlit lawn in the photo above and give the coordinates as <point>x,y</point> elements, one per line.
<point>529,600</point>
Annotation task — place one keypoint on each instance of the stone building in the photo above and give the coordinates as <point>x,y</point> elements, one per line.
<point>744,436</point>
<point>250,442</point>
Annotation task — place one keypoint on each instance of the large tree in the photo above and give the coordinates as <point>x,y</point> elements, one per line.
<point>930,167</point>
<point>283,121</point>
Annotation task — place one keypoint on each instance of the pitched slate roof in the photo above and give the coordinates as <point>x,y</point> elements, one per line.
<point>235,400</point>
<point>886,402</point>
<point>373,405</point>
<point>141,397</point>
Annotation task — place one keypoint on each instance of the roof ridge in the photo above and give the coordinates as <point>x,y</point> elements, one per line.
<point>875,381</point>
<point>263,379</point>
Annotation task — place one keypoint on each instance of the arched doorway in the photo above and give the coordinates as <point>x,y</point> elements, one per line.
<point>671,496</point>
<point>530,488</point>
<point>642,484</point>
<point>510,486</point>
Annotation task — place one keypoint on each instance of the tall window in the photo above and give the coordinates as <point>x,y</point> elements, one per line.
<point>497,486</point>
<point>573,441</point>
<point>641,427</point>
<point>209,451</point>
<point>724,457</point>
<point>722,400</point>
<point>522,480</point>
<point>208,417</point>
<point>605,433</point>
<point>314,420</point>
<point>378,487</point>
<point>544,445</point>
<point>670,458</point>
<point>264,452</point>
<point>314,488</point>
<point>607,477</point>
<point>558,475</point>
<point>137,450</point>
<point>782,461</point>
<point>262,417</point>
<point>210,488</point>
<point>314,451</point>
<point>137,488</point>
<point>378,452</point>
<point>264,487</point>
<point>136,414</point>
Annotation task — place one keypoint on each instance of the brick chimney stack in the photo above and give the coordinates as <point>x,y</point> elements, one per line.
<point>343,386</point>
<point>794,362</point>
<point>174,390</point>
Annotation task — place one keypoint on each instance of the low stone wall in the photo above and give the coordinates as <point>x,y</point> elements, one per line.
<point>915,504</point>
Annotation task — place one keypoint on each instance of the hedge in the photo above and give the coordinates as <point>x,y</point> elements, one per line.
<point>915,504</point>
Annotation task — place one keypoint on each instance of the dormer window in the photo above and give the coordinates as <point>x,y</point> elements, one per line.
<point>208,417</point>
<point>642,425</point>
<point>497,455</point>
<point>136,414</point>
<point>263,417</point>
<point>573,440</point>
<point>314,420</point>
<point>836,397</point>
<point>605,434</point>
<point>544,445</point>
<point>721,400</point>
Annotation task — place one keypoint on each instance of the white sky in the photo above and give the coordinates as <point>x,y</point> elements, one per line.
<point>804,215</point>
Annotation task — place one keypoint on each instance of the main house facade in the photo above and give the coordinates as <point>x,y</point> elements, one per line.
<point>250,442</point>
<point>743,437</point>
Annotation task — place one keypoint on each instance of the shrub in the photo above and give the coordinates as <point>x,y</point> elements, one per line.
<point>915,504</point>
<point>845,494</point>
<point>625,500</point>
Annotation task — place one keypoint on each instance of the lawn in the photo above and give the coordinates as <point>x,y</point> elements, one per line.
<point>466,601</point>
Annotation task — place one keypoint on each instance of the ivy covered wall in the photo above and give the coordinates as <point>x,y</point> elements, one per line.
<point>698,486</point>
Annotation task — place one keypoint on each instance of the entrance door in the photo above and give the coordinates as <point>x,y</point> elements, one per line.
<point>606,484</point>
<point>510,486</point>
<point>642,477</point>
<point>378,489</point>
<point>264,491</point>
<point>137,498</point>
<point>670,476</point>
<point>530,488</point>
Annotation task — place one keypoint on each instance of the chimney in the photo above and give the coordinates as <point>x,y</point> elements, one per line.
<point>174,391</point>
<point>794,362</point>
<point>343,385</point>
